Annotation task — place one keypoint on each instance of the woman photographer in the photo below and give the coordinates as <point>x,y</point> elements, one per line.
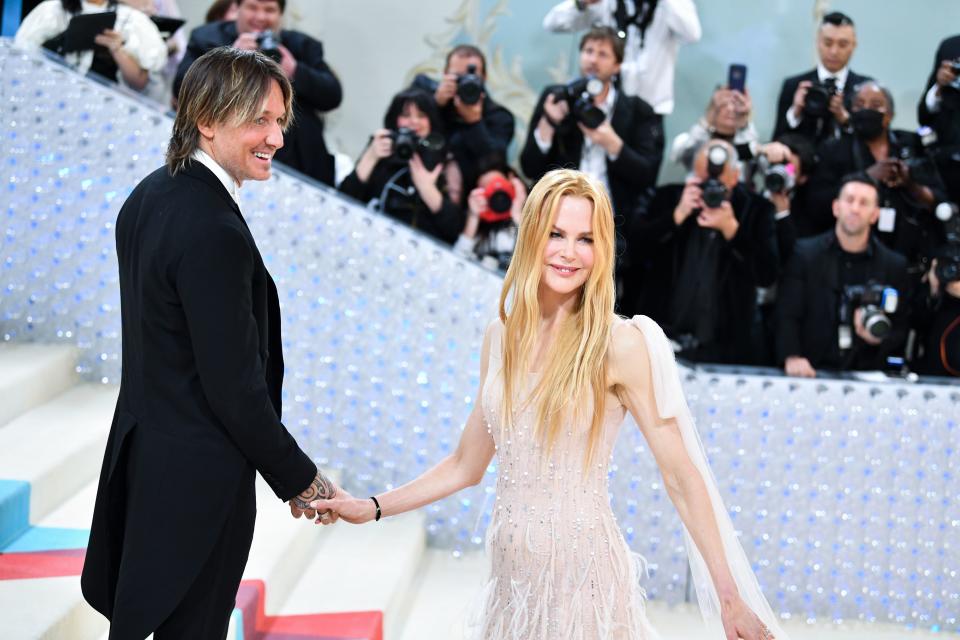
<point>128,52</point>
<point>493,214</point>
<point>405,169</point>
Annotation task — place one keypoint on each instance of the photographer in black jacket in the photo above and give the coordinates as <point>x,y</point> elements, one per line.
<point>476,127</point>
<point>315,87</point>
<point>939,109</point>
<point>710,243</point>
<point>821,322</point>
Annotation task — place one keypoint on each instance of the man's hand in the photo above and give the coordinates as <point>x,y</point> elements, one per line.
<point>690,200</point>
<point>287,62</point>
<point>776,152</point>
<point>246,41</point>
<point>945,73</point>
<point>446,89</point>
<point>861,331</point>
<point>347,507</point>
<point>800,98</point>
<point>604,136</point>
<point>470,113</point>
<point>556,108</point>
<point>320,487</point>
<point>722,219</point>
<point>112,40</point>
<point>839,111</point>
<point>799,367</point>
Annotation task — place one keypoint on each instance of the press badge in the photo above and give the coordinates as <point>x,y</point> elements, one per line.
<point>844,337</point>
<point>888,218</point>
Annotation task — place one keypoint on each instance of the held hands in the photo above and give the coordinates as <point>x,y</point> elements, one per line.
<point>740,622</point>
<point>320,487</point>
<point>347,508</point>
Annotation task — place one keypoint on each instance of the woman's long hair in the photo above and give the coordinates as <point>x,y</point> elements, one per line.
<point>575,369</point>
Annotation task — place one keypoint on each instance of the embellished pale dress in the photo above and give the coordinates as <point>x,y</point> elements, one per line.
<point>559,566</point>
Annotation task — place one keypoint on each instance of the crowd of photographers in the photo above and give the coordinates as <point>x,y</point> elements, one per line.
<point>833,247</point>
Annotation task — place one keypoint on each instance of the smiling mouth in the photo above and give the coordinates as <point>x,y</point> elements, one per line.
<point>566,271</point>
<point>262,155</point>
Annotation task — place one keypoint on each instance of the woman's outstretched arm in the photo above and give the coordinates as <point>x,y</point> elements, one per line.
<point>463,468</point>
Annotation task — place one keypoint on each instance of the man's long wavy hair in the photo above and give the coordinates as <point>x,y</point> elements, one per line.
<point>575,369</point>
<point>224,85</point>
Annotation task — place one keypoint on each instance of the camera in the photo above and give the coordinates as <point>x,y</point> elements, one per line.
<point>777,177</point>
<point>714,191</point>
<point>580,94</point>
<point>470,86</point>
<point>500,193</point>
<point>269,45</point>
<point>876,303</point>
<point>817,102</point>
<point>948,258</point>
<point>406,143</point>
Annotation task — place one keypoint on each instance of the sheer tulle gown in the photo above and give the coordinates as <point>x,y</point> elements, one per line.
<point>559,566</point>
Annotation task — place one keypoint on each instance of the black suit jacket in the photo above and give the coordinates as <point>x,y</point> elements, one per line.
<point>949,49</point>
<point>808,126</point>
<point>630,175</point>
<point>808,302</point>
<point>199,404</point>
<point>315,89</point>
<point>946,121</point>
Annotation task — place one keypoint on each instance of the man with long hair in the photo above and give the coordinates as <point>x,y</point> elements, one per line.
<point>199,407</point>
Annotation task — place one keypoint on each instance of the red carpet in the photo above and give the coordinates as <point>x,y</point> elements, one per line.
<point>41,564</point>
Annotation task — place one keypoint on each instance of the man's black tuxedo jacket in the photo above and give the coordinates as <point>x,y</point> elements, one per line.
<point>808,126</point>
<point>315,89</point>
<point>199,405</point>
<point>634,170</point>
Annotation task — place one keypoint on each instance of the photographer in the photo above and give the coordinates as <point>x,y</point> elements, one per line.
<point>404,168</point>
<point>476,126</point>
<point>127,53</point>
<point>936,318</point>
<point>782,169</point>
<point>822,317</point>
<point>315,87</point>
<point>728,117</point>
<point>816,104</point>
<point>590,125</point>
<point>652,30</point>
<point>909,183</point>
<point>939,109</point>
<point>710,243</point>
<point>493,215</point>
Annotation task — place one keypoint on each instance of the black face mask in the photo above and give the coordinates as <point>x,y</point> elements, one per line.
<point>867,123</point>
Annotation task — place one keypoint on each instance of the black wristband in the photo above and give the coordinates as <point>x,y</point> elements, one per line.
<point>377,504</point>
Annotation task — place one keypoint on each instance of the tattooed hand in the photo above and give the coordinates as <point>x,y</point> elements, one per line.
<point>320,487</point>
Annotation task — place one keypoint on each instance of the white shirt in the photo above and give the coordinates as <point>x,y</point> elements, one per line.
<point>646,72</point>
<point>229,183</point>
<point>141,38</point>
<point>593,157</point>
<point>822,74</point>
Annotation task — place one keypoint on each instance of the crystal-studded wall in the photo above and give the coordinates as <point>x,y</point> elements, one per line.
<point>845,493</point>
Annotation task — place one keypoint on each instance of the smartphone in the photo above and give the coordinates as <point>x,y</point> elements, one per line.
<point>737,77</point>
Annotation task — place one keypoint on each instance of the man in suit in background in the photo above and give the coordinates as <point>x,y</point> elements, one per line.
<point>939,109</point>
<point>316,87</point>
<point>816,104</point>
<point>199,407</point>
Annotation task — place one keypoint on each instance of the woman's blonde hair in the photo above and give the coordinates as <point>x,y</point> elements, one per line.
<point>575,367</point>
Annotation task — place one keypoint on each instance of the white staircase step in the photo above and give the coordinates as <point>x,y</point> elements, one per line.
<point>444,594</point>
<point>363,568</point>
<point>32,374</point>
<point>58,446</point>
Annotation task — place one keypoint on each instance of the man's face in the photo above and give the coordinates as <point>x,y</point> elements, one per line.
<point>597,59</point>
<point>254,16</point>
<point>856,208</point>
<point>871,97</point>
<point>459,63</point>
<point>835,45</point>
<point>246,150</point>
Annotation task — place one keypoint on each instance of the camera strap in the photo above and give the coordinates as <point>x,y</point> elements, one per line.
<point>641,17</point>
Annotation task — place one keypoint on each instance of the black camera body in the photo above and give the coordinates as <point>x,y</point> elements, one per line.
<point>579,94</point>
<point>876,303</point>
<point>777,177</point>
<point>268,43</point>
<point>714,192</point>
<point>948,257</point>
<point>817,102</point>
<point>470,86</point>
<point>406,143</point>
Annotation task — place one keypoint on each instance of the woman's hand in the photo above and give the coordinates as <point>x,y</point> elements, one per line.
<point>520,196</point>
<point>112,40</point>
<point>346,507</point>
<point>380,147</point>
<point>740,623</point>
<point>425,181</point>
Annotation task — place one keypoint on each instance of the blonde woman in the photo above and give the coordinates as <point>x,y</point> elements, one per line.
<point>559,371</point>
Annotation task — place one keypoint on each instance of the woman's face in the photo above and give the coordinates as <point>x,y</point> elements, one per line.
<point>568,256</point>
<point>412,118</point>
